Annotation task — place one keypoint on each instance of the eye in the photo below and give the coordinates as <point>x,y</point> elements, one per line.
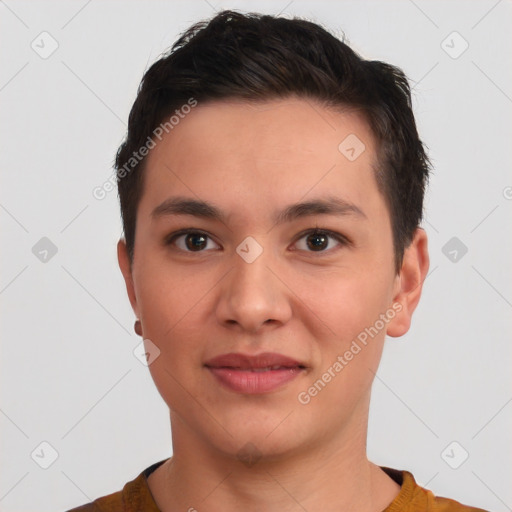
<point>320,240</point>
<point>191,241</point>
<point>313,240</point>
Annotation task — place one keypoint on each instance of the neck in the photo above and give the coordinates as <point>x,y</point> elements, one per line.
<point>327,476</point>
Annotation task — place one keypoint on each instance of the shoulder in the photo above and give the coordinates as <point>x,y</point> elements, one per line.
<point>111,503</point>
<point>134,497</point>
<point>413,497</point>
<point>448,505</point>
<point>435,503</point>
<point>440,504</point>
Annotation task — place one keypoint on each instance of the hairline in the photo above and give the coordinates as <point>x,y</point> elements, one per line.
<point>378,165</point>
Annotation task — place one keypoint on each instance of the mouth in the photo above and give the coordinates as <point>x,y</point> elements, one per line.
<point>258,374</point>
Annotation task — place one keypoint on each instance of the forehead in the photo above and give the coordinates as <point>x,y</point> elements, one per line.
<point>295,128</point>
<point>263,153</point>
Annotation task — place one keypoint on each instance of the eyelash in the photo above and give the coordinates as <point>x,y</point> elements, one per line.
<point>342,240</point>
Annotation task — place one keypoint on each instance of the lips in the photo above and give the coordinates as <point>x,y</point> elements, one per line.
<point>262,373</point>
<point>260,362</point>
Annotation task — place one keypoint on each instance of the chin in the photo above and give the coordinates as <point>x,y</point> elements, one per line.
<point>251,450</point>
<point>254,437</point>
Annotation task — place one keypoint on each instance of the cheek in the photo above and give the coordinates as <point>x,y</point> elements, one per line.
<point>173,317</point>
<point>351,308</point>
<point>173,322</point>
<point>346,304</point>
<point>169,296</point>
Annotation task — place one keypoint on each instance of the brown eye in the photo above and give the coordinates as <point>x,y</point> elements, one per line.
<point>321,241</point>
<point>195,241</point>
<point>191,241</point>
<point>317,241</point>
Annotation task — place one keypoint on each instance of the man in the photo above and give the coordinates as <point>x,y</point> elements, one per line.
<point>271,187</point>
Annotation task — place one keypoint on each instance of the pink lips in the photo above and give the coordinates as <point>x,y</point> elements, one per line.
<point>262,373</point>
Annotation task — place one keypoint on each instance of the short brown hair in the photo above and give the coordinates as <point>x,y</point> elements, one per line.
<point>258,57</point>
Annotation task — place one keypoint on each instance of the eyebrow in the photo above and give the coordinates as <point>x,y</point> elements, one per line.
<point>326,206</point>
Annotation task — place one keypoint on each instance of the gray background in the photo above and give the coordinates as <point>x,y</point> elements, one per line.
<point>69,377</point>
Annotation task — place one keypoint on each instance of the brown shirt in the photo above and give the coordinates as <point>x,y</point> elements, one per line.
<point>136,497</point>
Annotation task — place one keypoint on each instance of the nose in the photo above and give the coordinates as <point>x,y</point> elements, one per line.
<point>253,296</point>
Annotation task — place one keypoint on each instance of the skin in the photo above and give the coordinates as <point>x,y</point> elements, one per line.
<point>252,160</point>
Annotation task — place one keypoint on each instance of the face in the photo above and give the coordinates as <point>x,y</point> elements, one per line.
<point>227,263</point>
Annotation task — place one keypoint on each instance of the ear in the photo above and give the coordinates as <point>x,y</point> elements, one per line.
<point>409,283</point>
<point>126,270</point>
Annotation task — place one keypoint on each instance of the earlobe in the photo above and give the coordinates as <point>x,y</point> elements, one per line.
<point>414,270</point>
<point>125,266</point>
